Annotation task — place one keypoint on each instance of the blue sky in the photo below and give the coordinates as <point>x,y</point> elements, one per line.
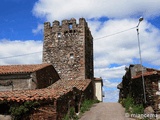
<point>17,20</point>
<point>21,32</point>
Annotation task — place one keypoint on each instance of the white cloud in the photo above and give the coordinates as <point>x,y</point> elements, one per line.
<point>38,29</point>
<point>110,73</point>
<point>62,9</point>
<point>111,95</point>
<point>15,48</point>
<point>110,84</point>
<point>123,48</point>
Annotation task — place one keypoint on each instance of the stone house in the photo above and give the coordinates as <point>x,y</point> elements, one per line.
<point>132,84</point>
<point>54,101</point>
<point>18,77</point>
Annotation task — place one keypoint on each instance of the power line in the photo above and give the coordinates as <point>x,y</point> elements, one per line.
<point>20,55</point>
<point>114,33</point>
<point>94,39</point>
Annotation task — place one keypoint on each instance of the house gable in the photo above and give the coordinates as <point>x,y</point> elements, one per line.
<point>21,77</point>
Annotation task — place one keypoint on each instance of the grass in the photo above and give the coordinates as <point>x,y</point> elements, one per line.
<point>132,108</point>
<point>85,106</point>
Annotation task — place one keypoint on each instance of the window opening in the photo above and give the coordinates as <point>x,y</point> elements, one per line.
<point>71,55</point>
<point>70,26</point>
<point>59,35</point>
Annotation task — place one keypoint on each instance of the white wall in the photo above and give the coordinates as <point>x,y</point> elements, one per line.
<point>98,90</point>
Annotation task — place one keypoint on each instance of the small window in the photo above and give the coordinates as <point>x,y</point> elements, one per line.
<point>71,55</point>
<point>70,26</point>
<point>59,35</point>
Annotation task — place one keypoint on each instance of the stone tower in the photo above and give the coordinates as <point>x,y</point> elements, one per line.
<point>69,47</point>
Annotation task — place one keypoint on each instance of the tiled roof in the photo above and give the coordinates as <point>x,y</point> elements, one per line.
<point>27,95</point>
<point>66,84</point>
<point>98,79</point>
<point>52,92</point>
<point>11,69</point>
<point>146,74</point>
<point>31,95</point>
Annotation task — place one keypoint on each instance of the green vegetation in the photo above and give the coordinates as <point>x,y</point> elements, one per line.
<point>85,106</point>
<point>71,115</point>
<point>132,108</point>
<point>18,111</point>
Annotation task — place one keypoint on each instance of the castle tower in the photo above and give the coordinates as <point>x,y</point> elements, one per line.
<point>69,47</point>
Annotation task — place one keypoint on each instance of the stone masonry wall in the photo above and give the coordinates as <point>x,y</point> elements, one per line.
<point>69,47</point>
<point>133,86</point>
<point>46,76</point>
<point>16,82</point>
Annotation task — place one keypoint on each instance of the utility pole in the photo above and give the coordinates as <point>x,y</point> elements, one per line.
<point>139,46</point>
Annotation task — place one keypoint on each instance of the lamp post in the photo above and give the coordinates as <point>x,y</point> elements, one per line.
<point>139,46</point>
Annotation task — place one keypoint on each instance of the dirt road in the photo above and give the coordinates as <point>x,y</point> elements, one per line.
<point>105,111</point>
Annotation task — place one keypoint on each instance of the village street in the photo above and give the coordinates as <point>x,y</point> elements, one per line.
<point>106,111</point>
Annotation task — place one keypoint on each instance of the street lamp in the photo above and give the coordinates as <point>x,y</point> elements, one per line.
<point>139,46</point>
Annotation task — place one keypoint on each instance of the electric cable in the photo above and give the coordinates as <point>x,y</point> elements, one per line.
<point>93,40</point>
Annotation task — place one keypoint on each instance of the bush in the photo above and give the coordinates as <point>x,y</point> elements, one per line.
<point>128,103</point>
<point>18,111</point>
<point>138,109</point>
<point>130,107</point>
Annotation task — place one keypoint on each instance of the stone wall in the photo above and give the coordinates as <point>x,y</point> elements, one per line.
<point>17,82</point>
<point>151,88</point>
<point>46,111</point>
<point>46,76</point>
<point>132,84</point>
<point>57,109</point>
<point>88,93</point>
<point>69,47</point>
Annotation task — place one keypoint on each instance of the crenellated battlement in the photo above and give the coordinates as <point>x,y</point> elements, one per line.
<point>65,24</point>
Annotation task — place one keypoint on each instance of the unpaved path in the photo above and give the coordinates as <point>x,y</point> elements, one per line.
<point>105,111</point>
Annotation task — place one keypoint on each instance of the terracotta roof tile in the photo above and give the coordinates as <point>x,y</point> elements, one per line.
<point>11,69</point>
<point>31,95</point>
<point>67,84</point>
<point>25,95</point>
<point>146,74</point>
<point>56,90</point>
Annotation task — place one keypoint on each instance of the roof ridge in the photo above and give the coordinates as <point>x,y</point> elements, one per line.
<point>22,68</point>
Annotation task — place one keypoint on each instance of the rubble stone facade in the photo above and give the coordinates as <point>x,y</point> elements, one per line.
<point>132,85</point>
<point>69,47</point>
